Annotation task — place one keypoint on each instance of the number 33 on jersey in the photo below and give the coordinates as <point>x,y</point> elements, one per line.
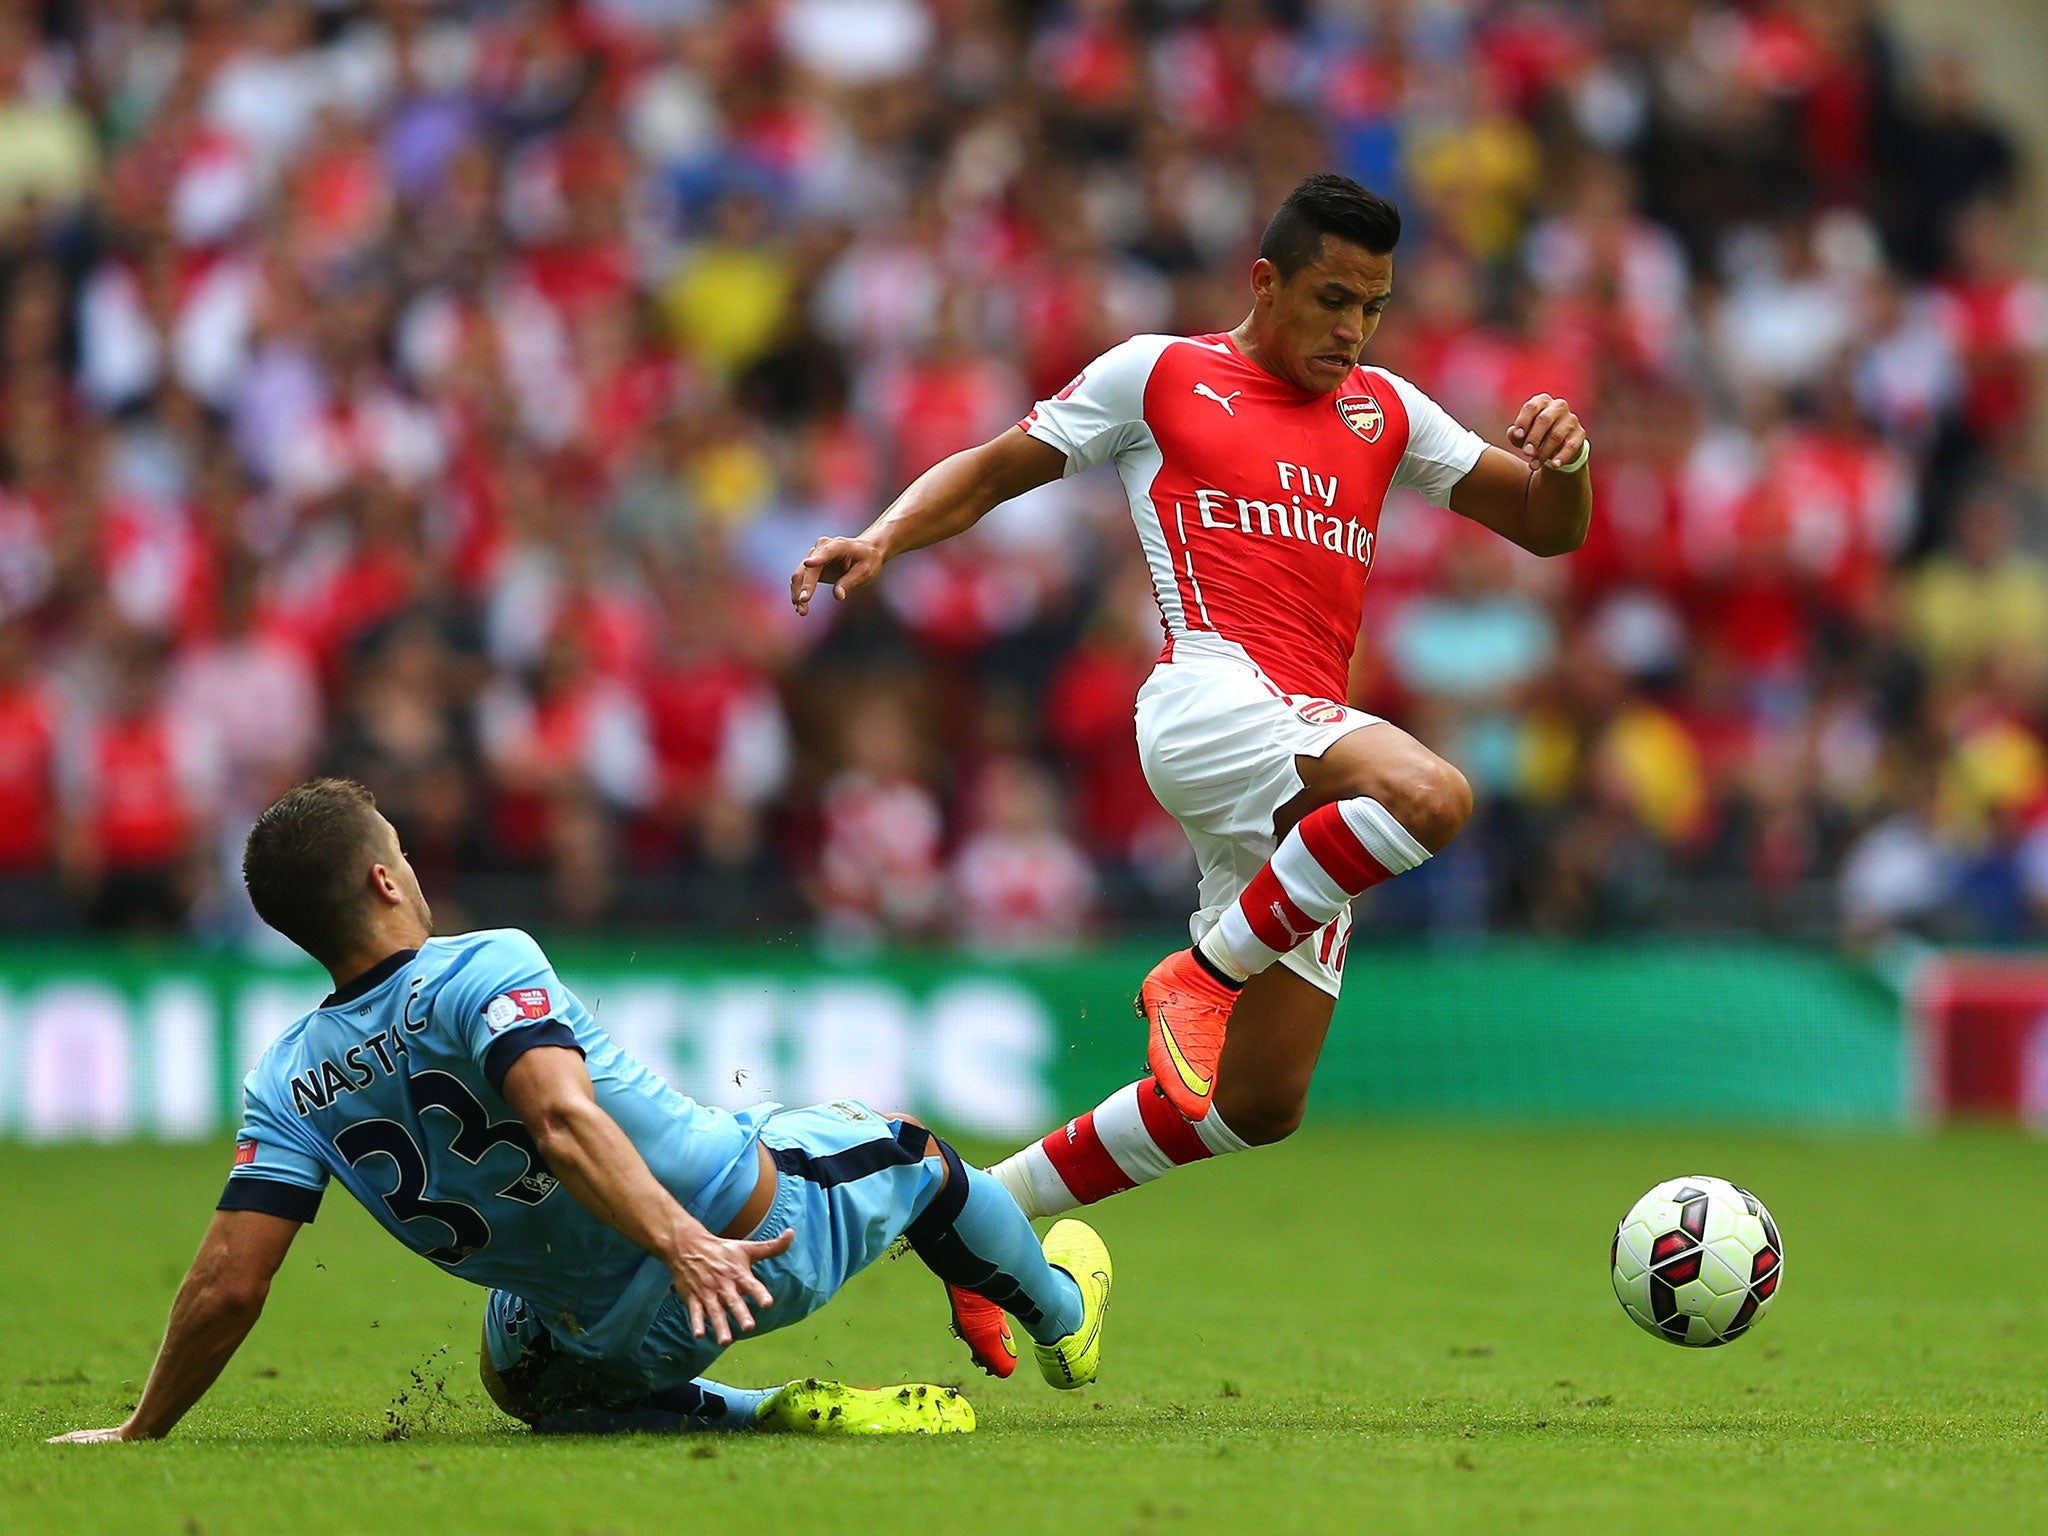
<point>392,1086</point>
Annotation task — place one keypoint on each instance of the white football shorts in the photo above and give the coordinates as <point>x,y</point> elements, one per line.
<point>1218,743</point>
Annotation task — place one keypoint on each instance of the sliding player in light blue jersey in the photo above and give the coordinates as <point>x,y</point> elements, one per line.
<point>470,1102</point>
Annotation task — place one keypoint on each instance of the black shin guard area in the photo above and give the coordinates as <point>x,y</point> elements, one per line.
<point>564,1395</point>
<point>938,1242</point>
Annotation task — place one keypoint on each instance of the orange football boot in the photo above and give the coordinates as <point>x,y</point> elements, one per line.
<point>980,1325</point>
<point>1188,1009</point>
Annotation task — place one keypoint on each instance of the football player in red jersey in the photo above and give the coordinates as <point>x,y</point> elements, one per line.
<point>1255,462</point>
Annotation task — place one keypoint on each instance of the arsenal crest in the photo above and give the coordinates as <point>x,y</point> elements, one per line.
<point>1322,711</point>
<point>1362,414</point>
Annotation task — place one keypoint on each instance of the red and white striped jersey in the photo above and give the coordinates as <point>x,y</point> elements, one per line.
<point>1257,503</point>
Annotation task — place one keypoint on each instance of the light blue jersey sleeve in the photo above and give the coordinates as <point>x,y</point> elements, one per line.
<point>393,1087</point>
<point>498,1000</point>
<point>503,1002</point>
<point>505,999</point>
<point>275,1170</point>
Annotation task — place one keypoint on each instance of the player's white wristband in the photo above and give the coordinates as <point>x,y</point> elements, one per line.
<point>1578,459</point>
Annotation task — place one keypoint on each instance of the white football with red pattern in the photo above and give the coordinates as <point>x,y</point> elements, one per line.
<point>1697,1261</point>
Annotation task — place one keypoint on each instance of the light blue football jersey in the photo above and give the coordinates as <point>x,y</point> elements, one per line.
<point>391,1086</point>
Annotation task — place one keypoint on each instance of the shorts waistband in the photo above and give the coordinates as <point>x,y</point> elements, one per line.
<point>1202,645</point>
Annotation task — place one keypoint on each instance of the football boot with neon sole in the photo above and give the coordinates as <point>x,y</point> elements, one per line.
<point>1187,1010</point>
<point>814,1407</point>
<point>1073,1361</point>
<point>981,1326</point>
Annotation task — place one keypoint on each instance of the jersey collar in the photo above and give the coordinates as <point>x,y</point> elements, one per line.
<point>370,980</point>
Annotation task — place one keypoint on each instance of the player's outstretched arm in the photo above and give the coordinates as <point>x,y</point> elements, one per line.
<point>549,1089</point>
<point>218,1304</point>
<point>949,498</point>
<point>1542,500</point>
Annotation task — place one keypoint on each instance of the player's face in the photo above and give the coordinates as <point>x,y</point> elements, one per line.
<point>1314,324</point>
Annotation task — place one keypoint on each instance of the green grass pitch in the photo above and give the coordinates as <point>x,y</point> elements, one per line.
<point>1379,1329</point>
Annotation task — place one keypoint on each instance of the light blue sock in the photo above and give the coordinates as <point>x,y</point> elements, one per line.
<point>740,1405</point>
<point>974,1235</point>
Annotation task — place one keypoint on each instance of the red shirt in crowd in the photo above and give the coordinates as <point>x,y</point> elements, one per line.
<point>1088,718</point>
<point>27,778</point>
<point>1998,325</point>
<point>137,795</point>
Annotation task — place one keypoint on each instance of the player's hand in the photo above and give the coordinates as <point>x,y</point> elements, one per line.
<point>1547,432</point>
<point>715,1277</point>
<point>93,1436</point>
<point>840,563</point>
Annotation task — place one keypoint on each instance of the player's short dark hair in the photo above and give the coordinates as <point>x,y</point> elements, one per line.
<point>305,860</point>
<point>1328,204</point>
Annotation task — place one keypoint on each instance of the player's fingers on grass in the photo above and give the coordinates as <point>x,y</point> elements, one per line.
<point>1519,432</point>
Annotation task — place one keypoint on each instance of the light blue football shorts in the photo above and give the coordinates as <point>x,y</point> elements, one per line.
<point>849,1180</point>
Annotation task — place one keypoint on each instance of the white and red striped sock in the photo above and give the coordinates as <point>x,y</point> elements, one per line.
<point>1328,857</point>
<point>1131,1138</point>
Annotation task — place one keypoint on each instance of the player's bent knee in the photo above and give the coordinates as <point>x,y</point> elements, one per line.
<point>1435,802</point>
<point>499,1390</point>
<point>1263,1124</point>
<point>1454,798</point>
<point>1429,797</point>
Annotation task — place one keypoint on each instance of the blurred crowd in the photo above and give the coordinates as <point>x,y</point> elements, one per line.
<point>440,392</point>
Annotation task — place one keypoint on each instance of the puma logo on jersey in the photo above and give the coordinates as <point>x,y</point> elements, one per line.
<point>1223,400</point>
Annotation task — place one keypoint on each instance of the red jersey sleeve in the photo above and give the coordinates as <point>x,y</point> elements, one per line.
<point>1102,413</point>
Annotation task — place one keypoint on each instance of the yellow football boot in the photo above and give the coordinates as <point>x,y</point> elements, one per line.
<point>814,1407</point>
<point>1074,1360</point>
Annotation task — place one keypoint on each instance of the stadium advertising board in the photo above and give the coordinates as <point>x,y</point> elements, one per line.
<point>1982,1022</point>
<point>111,1044</point>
